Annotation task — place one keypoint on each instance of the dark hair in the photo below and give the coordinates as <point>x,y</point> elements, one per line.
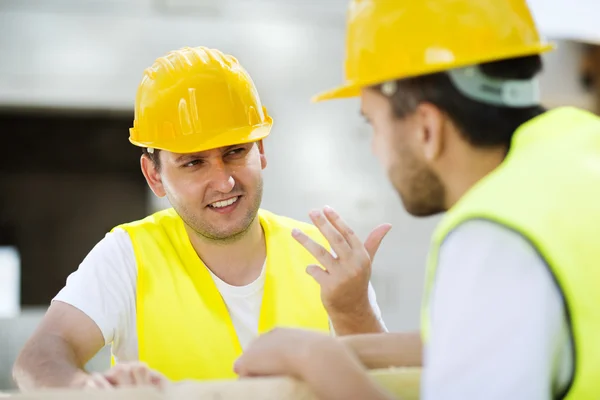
<point>154,156</point>
<point>481,124</point>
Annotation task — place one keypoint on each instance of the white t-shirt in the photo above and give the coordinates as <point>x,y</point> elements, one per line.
<point>499,327</point>
<point>104,288</point>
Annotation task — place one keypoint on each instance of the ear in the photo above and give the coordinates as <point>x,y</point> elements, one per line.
<point>152,176</point>
<point>263,157</point>
<point>431,135</point>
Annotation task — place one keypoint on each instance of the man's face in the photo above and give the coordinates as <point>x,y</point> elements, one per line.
<point>398,144</point>
<point>216,192</point>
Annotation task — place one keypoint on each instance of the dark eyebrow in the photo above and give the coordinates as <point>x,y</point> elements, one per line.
<point>185,157</point>
<point>236,146</point>
<point>200,156</point>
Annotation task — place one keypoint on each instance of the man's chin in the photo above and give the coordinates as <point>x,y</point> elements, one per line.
<point>416,208</point>
<point>421,210</point>
<point>227,230</point>
<point>226,236</point>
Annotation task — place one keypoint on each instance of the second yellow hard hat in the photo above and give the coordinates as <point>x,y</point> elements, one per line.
<point>396,39</point>
<point>195,99</point>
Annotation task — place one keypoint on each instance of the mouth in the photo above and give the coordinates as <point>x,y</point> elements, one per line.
<point>224,205</point>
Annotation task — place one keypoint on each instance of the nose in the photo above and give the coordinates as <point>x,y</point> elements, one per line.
<point>221,178</point>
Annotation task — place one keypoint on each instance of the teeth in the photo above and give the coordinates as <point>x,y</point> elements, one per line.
<point>224,203</point>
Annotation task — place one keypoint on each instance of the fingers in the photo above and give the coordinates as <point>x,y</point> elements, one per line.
<point>134,374</point>
<point>318,274</point>
<point>140,375</point>
<point>319,252</point>
<point>252,363</point>
<point>158,380</point>
<point>239,367</point>
<point>126,374</point>
<point>97,381</point>
<point>375,238</point>
<point>120,375</point>
<point>336,239</point>
<point>343,229</point>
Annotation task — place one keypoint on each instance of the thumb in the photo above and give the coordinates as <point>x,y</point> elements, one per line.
<point>318,273</point>
<point>374,240</point>
<point>239,366</point>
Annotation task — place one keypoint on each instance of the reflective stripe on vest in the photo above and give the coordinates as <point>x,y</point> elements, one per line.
<point>548,190</point>
<point>183,326</point>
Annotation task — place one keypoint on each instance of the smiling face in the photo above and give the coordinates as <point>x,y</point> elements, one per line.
<point>216,192</point>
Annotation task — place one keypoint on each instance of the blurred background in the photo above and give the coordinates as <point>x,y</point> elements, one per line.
<point>69,70</point>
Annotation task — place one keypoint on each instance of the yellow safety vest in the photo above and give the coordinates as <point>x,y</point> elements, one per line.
<point>183,326</point>
<point>548,190</point>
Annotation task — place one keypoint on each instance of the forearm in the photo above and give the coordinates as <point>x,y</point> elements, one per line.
<point>386,349</point>
<point>334,373</point>
<point>45,362</point>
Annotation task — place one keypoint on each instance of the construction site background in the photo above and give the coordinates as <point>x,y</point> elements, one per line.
<point>68,74</point>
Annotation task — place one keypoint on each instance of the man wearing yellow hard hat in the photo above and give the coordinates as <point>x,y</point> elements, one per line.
<point>511,308</point>
<point>179,294</point>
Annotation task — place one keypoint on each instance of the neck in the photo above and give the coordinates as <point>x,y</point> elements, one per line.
<point>469,170</point>
<point>237,263</point>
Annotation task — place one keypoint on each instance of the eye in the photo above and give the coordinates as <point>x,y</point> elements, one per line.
<point>191,163</point>
<point>237,151</point>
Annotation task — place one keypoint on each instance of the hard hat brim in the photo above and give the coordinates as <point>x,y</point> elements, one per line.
<point>196,142</point>
<point>353,89</point>
<point>341,92</point>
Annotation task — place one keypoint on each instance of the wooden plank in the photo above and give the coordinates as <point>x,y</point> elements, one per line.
<point>401,382</point>
<point>116,394</point>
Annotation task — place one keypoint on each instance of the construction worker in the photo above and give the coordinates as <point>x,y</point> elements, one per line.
<point>511,308</point>
<point>179,294</point>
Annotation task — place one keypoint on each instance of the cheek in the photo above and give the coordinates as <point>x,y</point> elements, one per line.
<point>251,168</point>
<point>248,178</point>
<point>382,146</point>
<point>182,186</point>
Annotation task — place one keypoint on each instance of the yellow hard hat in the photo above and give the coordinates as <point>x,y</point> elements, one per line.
<point>195,99</point>
<point>396,39</point>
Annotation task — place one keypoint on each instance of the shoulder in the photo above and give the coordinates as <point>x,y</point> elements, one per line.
<point>116,244</point>
<point>485,260</point>
<point>493,295</point>
<point>112,259</point>
<point>479,238</point>
<point>103,287</point>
